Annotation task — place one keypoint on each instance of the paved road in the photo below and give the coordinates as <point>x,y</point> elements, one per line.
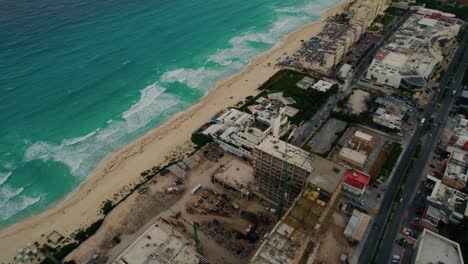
<point>426,152</point>
<point>383,255</point>
<point>308,127</point>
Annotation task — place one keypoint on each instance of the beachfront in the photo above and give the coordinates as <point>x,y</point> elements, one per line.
<point>121,170</point>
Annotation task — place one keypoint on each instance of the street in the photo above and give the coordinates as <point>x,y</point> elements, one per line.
<point>383,254</point>
<point>309,127</point>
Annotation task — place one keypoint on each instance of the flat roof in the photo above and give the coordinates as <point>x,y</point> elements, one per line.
<point>353,155</point>
<point>295,155</point>
<point>363,135</point>
<point>357,179</point>
<point>357,225</point>
<point>326,174</point>
<point>434,248</point>
<point>158,244</point>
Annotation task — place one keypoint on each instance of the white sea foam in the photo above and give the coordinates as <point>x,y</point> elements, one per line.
<point>148,95</point>
<point>80,154</point>
<point>20,203</point>
<point>7,193</point>
<point>78,139</point>
<point>200,78</point>
<point>4,176</point>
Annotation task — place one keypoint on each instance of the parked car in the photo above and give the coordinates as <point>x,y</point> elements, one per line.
<point>406,231</point>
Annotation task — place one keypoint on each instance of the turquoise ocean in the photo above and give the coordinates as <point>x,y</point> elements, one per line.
<point>79,79</point>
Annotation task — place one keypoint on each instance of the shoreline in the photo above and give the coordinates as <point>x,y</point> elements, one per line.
<point>119,171</point>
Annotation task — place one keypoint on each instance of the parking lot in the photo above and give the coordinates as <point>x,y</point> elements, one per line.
<point>323,140</point>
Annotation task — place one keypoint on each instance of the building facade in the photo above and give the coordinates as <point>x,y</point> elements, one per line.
<point>276,162</point>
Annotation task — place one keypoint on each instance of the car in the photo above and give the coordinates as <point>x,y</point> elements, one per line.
<point>402,242</point>
<point>406,231</point>
<point>413,224</point>
<point>432,166</point>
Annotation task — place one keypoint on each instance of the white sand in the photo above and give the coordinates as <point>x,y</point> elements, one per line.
<point>120,169</point>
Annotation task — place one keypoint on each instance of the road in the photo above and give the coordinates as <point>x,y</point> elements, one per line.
<point>308,128</point>
<point>426,152</point>
<point>383,255</point>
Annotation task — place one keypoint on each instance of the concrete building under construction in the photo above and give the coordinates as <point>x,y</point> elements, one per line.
<point>273,160</point>
<point>295,238</point>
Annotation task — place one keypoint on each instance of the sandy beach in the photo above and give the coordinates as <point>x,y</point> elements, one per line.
<point>115,175</point>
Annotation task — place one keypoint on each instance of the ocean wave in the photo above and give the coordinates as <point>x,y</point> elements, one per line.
<point>17,205</point>
<point>4,176</point>
<point>79,139</point>
<point>199,78</point>
<point>311,9</point>
<point>7,193</point>
<point>80,153</point>
<point>148,95</point>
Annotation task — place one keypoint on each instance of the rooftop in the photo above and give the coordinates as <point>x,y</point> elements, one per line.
<point>434,248</point>
<point>356,179</point>
<point>159,245</point>
<point>357,225</point>
<point>322,86</point>
<point>283,151</point>
<point>326,174</point>
<point>353,155</point>
<point>362,135</point>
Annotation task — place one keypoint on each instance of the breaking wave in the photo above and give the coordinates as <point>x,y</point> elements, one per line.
<point>7,193</point>
<point>17,205</point>
<point>4,177</point>
<point>80,153</point>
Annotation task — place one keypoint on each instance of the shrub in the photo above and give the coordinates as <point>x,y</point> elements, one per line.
<point>201,139</point>
<point>106,207</point>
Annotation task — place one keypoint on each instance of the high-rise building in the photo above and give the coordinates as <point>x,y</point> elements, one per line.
<point>275,159</point>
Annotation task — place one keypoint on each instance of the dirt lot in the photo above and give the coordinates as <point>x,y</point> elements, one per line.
<point>357,101</point>
<point>333,242</point>
<point>222,236</point>
<point>322,141</point>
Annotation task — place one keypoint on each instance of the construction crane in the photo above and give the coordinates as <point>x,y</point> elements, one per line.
<point>195,235</point>
<point>284,179</point>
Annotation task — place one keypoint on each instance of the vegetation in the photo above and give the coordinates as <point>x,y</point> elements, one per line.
<point>363,118</point>
<point>386,19</point>
<point>374,28</point>
<point>394,11</point>
<point>106,207</point>
<point>459,10</point>
<point>307,101</point>
<point>200,139</point>
<point>82,235</point>
<point>395,200</point>
<point>405,88</point>
<point>250,100</point>
<point>390,161</point>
